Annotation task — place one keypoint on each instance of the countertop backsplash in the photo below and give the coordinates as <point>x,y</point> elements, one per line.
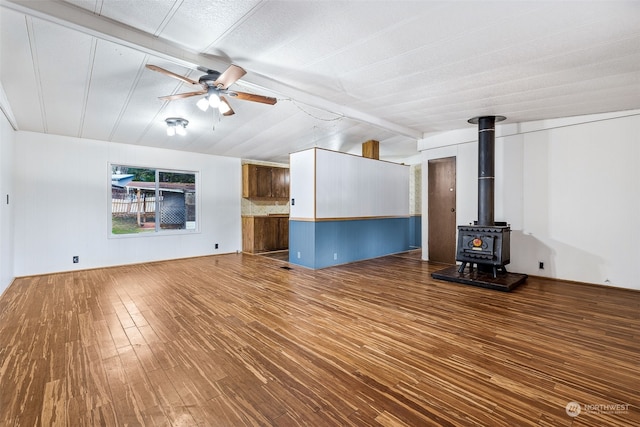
<point>264,207</point>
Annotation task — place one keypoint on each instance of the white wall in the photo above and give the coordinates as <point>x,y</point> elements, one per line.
<point>302,187</point>
<point>7,144</point>
<point>61,194</point>
<point>329,184</point>
<point>570,190</point>
<point>349,186</point>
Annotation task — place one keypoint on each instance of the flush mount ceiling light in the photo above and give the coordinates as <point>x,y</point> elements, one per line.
<point>176,125</point>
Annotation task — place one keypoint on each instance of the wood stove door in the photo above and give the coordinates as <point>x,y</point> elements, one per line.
<point>442,210</point>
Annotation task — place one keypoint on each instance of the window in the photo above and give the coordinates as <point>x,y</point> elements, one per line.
<point>147,200</point>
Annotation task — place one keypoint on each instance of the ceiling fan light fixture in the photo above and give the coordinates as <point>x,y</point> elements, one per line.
<point>176,125</point>
<point>203,103</point>
<point>213,86</point>
<point>214,100</point>
<point>224,106</point>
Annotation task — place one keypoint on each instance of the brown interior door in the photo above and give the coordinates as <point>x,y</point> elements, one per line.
<point>442,210</point>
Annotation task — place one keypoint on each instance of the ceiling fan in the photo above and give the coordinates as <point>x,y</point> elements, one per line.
<point>214,85</point>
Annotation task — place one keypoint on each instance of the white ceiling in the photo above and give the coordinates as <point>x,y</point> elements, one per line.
<point>343,71</point>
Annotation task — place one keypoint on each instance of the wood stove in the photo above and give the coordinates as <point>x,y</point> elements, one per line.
<point>485,243</point>
<point>487,246</point>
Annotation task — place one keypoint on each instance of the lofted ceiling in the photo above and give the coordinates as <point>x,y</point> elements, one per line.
<point>343,71</point>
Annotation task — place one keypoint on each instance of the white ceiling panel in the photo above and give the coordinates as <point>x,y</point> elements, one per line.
<point>200,25</point>
<point>112,85</point>
<point>64,83</point>
<point>146,15</point>
<point>343,71</point>
<point>15,49</point>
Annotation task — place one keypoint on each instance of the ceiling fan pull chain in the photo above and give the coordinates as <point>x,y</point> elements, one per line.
<point>217,117</point>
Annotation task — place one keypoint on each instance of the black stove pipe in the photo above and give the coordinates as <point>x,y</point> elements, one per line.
<point>486,168</point>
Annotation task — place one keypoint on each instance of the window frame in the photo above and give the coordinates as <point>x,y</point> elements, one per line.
<point>157,230</point>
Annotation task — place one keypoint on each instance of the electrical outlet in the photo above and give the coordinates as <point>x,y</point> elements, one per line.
<point>298,255</point>
<point>216,246</point>
<point>76,259</point>
<point>335,256</point>
<point>541,265</point>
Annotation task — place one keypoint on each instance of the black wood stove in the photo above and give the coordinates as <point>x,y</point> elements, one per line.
<point>486,246</point>
<point>485,243</point>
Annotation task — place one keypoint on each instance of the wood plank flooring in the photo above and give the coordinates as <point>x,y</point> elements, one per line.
<point>237,340</point>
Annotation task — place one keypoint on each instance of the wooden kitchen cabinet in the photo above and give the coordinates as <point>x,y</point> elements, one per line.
<point>265,233</point>
<point>265,182</point>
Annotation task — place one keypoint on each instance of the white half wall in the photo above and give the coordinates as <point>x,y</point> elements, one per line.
<point>349,186</point>
<point>61,193</point>
<point>329,184</point>
<point>7,144</point>
<point>570,190</point>
<point>302,187</point>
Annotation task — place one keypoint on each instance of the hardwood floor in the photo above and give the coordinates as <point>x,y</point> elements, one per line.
<point>238,340</point>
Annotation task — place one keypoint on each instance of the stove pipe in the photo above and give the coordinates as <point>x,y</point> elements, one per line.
<point>486,167</point>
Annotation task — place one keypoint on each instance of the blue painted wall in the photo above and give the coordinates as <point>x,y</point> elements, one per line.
<point>302,237</point>
<point>415,231</point>
<point>326,243</point>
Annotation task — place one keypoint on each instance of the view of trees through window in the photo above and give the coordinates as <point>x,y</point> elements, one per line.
<point>145,200</point>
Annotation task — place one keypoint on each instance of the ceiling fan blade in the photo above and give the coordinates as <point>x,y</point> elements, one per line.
<point>229,77</point>
<point>252,97</point>
<point>228,112</point>
<point>182,95</point>
<point>171,74</point>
